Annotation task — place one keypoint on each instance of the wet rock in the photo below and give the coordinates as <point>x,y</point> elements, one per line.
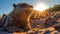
<point>57,28</point>
<point>39,31</point>
<point>3,19</point>
<point>55,33</point>
<point>30,32</point>
<point>36,32</point>
<point>1,29</point>
<point>57,16</point>
<point>13,29</point>
<point>47,32</point>
<point>49,22</point>
<point>5,33</point>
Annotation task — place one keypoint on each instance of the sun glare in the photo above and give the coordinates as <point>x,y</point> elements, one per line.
<point>40,7</point>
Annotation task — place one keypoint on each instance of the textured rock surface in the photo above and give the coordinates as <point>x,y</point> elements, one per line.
<point>53,19</point>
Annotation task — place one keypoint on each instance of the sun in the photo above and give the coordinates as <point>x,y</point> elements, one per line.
<point>40,7</point>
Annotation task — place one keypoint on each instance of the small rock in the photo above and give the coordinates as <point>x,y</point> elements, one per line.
<point>35,32</point>
<point>30,32</point>
<point>55,33</point>
<point>47,32</point>
<point>57,28</point>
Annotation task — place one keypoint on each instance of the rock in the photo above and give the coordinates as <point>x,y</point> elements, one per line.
<point>57,28</point>
<point>14,29</point>
<point>3,19</point>
<point>57,16</point>
<point>47,32</point>
<point>55,33</point>
<point>0,17</point>
<point>36,32</point>
<point>1,29</point>
<point>49,22</point>
<point>5,33</point>
<point>30,32</point>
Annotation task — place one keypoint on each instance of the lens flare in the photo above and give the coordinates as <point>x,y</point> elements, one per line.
<point>41,7</point>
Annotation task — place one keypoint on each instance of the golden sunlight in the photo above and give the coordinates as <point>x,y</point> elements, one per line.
<point>41,7</point>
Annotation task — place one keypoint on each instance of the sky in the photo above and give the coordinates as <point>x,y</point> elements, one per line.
<point>6,5</point>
